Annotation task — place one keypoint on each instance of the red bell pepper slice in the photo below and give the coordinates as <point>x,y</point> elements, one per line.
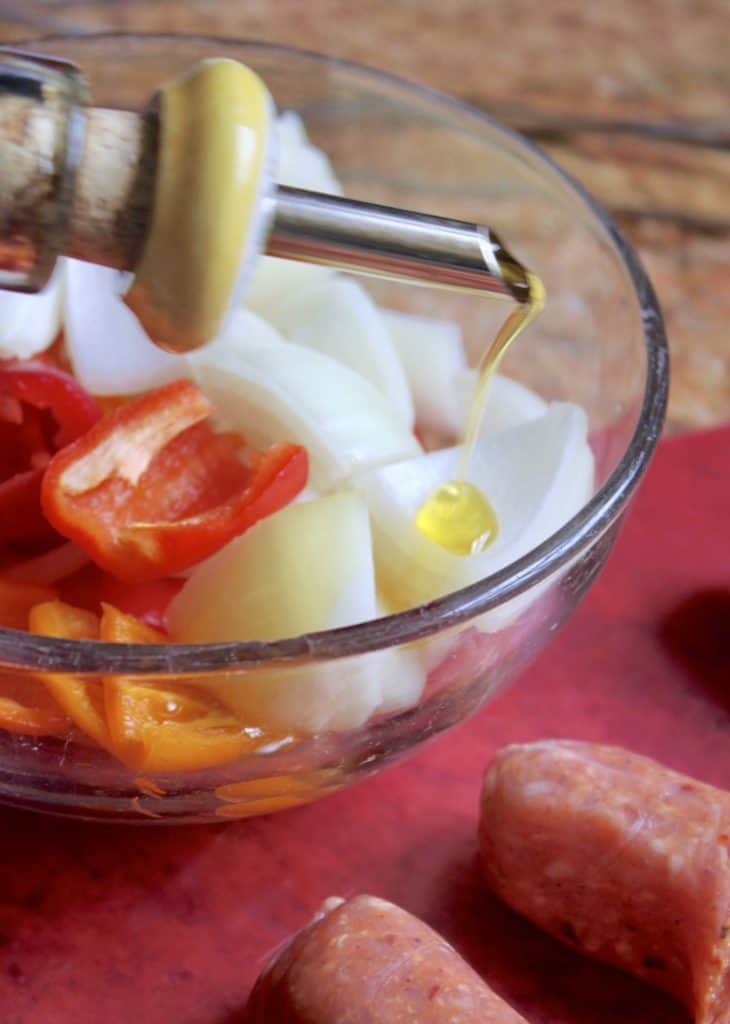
<point>41,410</point>
<point>151,489</point>
<point>44,387</point>
<point>91,588</point>
<point>17,600</point>
<point>20,507</point>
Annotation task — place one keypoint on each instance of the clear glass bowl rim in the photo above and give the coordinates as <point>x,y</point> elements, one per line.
<point>578,534</point>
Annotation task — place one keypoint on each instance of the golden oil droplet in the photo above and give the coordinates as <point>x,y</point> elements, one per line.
<point>457,516</point>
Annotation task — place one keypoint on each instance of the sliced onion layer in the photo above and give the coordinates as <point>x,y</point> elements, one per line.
<point>307,568</point>
<point>432,354</point>
<point>109,351</point>
<point>509,403</point>
<point>338,318</point>
<point>281,392</point>
<point>242,331</point>
<point>536,475</point>
<point>29,323</point>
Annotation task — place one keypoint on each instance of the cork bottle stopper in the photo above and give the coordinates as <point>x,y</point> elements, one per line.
<point>73,179</point>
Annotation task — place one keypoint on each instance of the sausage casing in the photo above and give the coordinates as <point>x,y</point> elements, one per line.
<point>619,857</point>
<point>366,961</point>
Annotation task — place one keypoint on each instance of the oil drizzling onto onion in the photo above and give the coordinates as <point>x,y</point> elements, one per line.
<point>457,515</point>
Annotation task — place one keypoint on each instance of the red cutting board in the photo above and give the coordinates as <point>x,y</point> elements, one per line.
<point>111,924</point>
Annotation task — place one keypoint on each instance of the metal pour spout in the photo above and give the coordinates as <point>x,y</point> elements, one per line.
<point>387,242</point>
<point>80,181</point>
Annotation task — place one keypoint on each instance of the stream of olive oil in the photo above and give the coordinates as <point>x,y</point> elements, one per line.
<point>457,515</point>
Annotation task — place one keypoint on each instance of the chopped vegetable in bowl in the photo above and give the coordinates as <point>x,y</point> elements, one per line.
<point>265,486</point>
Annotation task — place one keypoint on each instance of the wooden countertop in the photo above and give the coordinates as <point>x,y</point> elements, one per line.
<point>633,98</point>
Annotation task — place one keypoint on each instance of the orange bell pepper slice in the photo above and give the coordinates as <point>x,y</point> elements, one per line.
<point>166,727</point>
<point>55,618</point>
<point>273,793</point>
<point>27,708</point>
<point>151,489</point>
<point>151,727</point>
<point>81,699</point>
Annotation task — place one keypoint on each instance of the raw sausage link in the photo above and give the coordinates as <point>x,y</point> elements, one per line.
<point>619,857</point>
<point>365,961</point>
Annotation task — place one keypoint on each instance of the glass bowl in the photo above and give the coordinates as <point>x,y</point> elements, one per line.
<point>600,342</point>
